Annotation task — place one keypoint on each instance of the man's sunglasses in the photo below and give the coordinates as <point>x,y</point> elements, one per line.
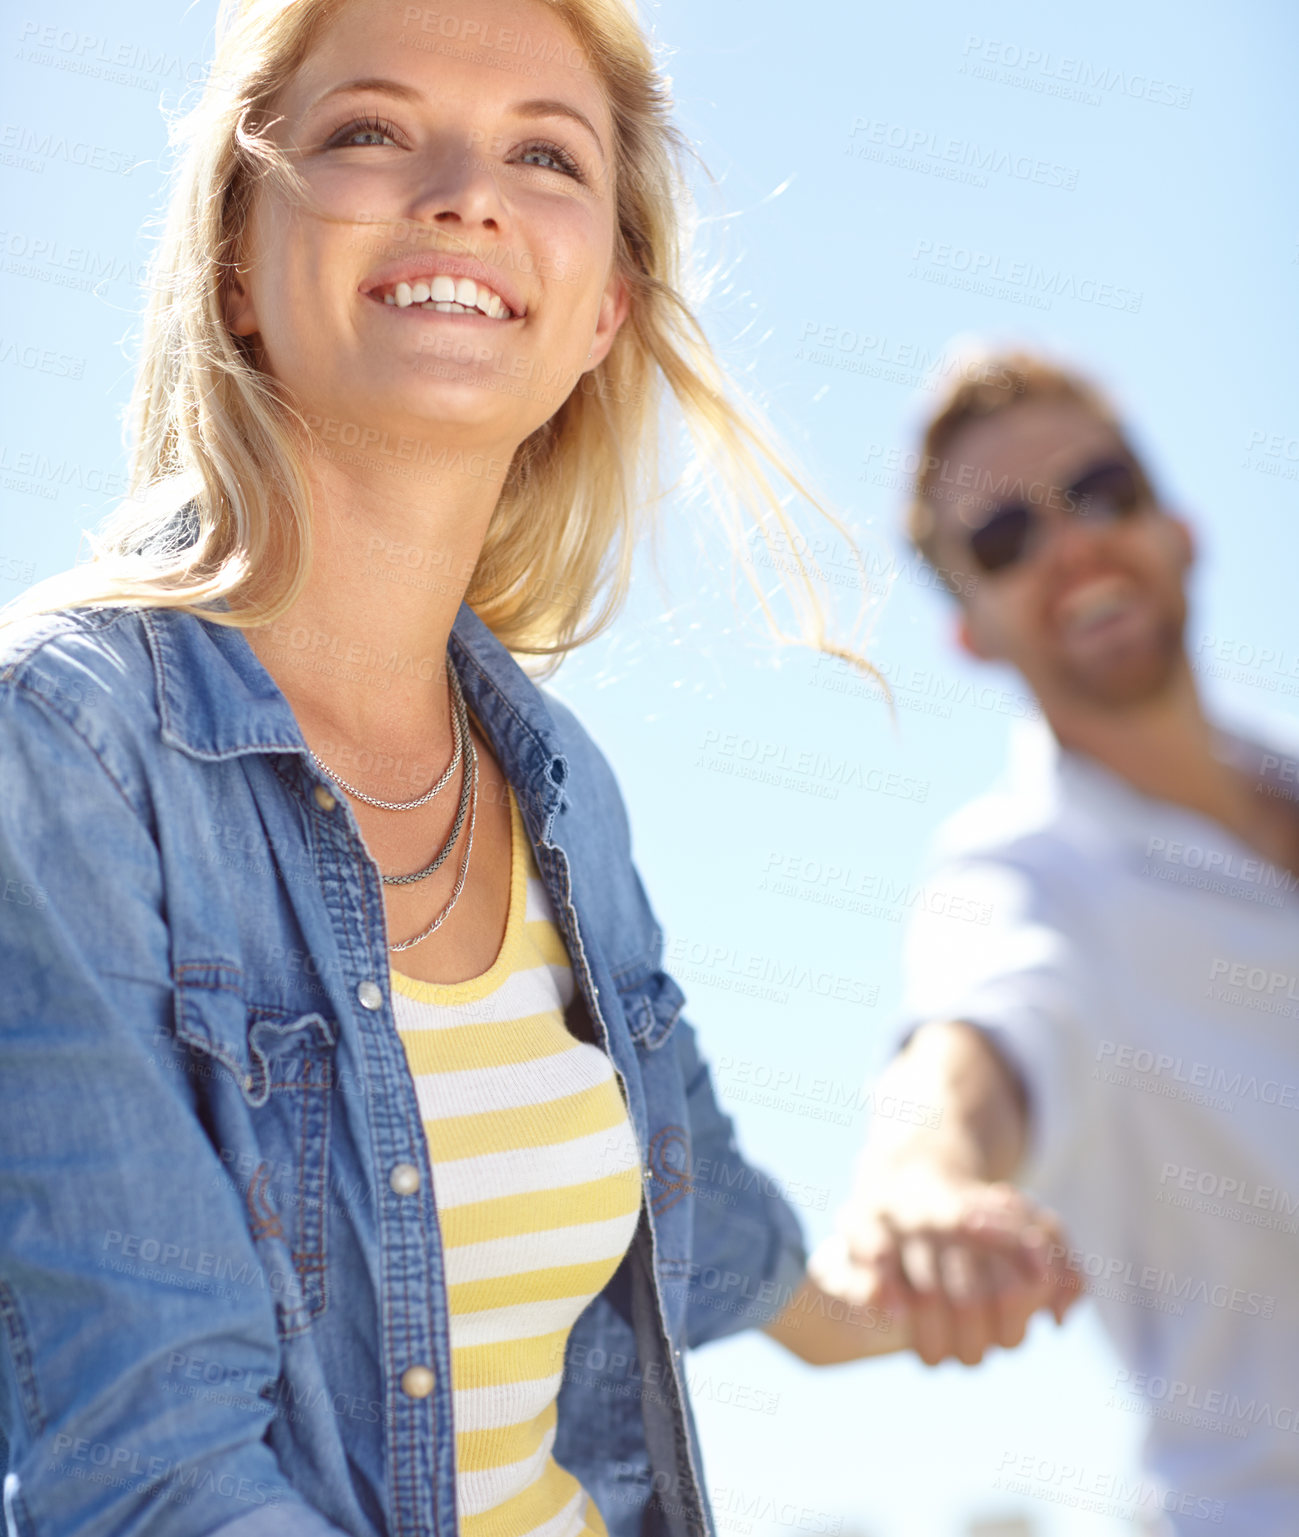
<point>1105,492</point>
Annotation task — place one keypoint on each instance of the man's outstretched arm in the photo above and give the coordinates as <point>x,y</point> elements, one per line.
<point>933,1228</point>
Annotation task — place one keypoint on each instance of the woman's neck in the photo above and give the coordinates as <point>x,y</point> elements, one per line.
<point>361,653</point>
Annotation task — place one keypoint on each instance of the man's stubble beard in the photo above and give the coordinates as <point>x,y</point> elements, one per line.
<point>1130,683</point>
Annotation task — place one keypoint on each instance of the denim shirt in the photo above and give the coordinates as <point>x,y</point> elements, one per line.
<point>222,1292</point>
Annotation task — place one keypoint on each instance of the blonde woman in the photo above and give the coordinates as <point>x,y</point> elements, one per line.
<point>361,1172</point>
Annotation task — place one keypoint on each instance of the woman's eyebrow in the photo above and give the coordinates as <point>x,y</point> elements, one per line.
<point>538,107</point>
<point>552,107</point>
<point>370,83</point>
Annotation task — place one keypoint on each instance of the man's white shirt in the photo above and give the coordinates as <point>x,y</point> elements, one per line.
<point>1139,967</point>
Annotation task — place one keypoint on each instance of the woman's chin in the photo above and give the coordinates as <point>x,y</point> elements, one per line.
<point>465,412</point>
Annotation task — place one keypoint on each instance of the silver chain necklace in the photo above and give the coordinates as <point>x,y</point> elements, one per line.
<point>464,748</point>
<point>468,790</point>
<point>471,769</point>
<point>458,734</point>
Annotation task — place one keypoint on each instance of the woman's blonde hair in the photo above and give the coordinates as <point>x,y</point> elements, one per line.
<point>219,510</point>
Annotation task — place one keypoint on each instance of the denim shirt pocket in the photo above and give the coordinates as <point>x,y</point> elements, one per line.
<point>269,1113</point>
<point>651,1004</point>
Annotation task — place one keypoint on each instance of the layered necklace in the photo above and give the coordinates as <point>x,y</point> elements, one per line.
<point>462,748</point>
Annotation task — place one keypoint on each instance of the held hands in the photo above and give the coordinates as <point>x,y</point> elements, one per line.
<point>963,1263</point>
<point>935,1250</point>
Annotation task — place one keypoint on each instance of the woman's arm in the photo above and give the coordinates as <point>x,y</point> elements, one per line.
<point>138,1343</point>
<point>751,1267</point>
<point>827,1328</point>
<point>748,1250</point>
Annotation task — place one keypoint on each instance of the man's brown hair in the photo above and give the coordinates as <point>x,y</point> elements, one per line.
<point>993,382</point>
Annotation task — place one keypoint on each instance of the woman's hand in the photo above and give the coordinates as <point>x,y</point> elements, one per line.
<point>835,1315</point>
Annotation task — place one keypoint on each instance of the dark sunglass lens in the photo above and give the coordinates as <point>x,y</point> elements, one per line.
<point>1109,491</point>
<point>1000,541</point>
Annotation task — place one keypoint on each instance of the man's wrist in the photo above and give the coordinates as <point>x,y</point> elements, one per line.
<point>928,1161</point>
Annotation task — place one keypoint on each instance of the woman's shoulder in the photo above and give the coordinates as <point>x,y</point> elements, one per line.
<point>91,666</point>
<point>586,762</point>
<point>24,637</point>
<point>575,739</point>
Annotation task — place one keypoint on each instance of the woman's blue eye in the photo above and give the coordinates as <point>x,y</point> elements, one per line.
<point>376,130</point>
<point>560,159</point>
<point>369,125</point>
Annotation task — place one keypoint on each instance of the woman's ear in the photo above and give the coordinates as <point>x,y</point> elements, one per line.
<point>237,302</point>
<point>615,306</point>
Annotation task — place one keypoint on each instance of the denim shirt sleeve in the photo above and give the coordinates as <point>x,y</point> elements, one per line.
<point>114,1206</point>
<point>748,1241</point>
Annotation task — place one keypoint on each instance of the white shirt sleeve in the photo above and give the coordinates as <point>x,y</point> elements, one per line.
<point>989,945</point>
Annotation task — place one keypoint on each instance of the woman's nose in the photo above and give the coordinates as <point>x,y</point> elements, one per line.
<point>457,186</point>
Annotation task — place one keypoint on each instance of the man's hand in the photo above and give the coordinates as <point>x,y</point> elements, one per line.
<point>965,1262</point>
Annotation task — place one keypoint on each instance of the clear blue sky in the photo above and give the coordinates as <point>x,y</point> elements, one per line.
<point>1153,239</point>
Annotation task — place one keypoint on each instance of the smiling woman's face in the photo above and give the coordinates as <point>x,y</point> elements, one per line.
<point>483,168</point>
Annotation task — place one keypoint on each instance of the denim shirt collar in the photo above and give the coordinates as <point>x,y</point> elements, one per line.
<point>216,700</point>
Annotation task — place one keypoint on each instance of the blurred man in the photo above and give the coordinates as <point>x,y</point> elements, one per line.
<point>1122,1039</point>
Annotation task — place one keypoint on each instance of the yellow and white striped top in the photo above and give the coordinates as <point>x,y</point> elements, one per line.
<point>538,1186</point>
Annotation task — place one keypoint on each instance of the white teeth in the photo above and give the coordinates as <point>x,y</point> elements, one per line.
<point>459,296</point>
<point>1095,601</point>
<point>1100,608</point>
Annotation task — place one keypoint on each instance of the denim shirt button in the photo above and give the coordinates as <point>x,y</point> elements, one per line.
<point>404,1178</point>
<point>370,994</point>
<point>324,799</point>
<point>417,1382</point>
